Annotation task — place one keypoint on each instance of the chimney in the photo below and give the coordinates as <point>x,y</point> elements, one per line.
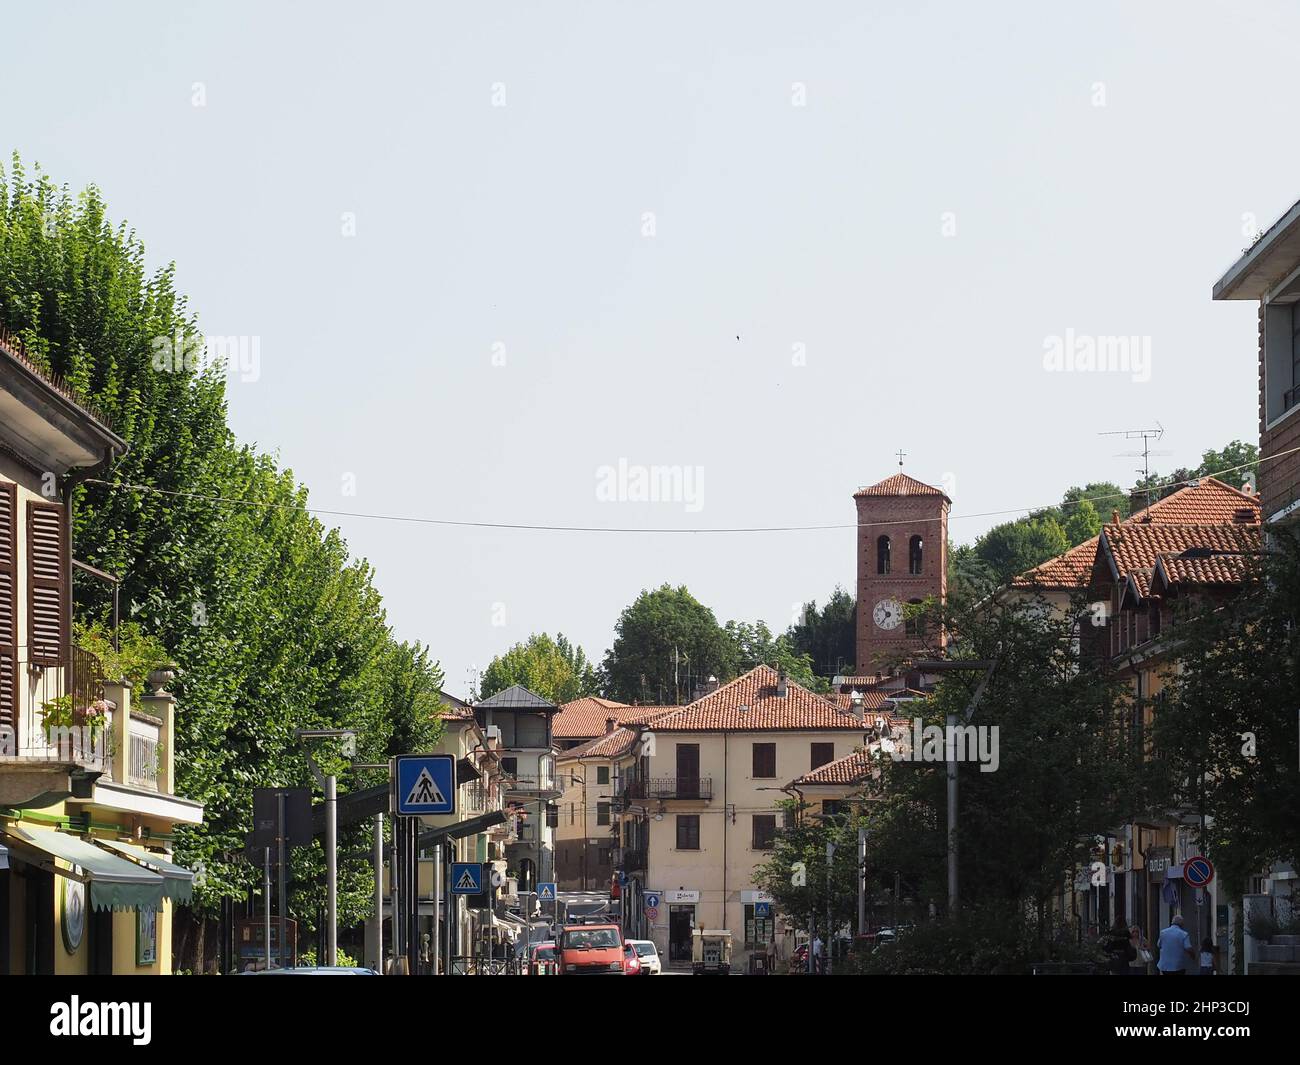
<point>1114,517</point>
<point>781,687</point>
<point>855,700</point>
<point>610,725</point>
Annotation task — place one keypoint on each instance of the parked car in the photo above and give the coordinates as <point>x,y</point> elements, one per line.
<point>542,954</point>
<point>649,955</point>
<point>631,960</point>
<point>591,950</point>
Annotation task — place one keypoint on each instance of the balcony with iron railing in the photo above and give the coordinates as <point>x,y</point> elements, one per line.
<point>62,715</point>
<point>700,788</point>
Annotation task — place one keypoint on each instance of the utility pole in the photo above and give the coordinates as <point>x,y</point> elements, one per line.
<point>829,945</point>
<point>862,880</point>
<point>280,833</point>
<point>329,785</point>
<point>950,756</point>
<point>266,901</point>
<point>379,893</point>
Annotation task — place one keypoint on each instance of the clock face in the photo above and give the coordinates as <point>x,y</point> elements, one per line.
<point>888,614</point>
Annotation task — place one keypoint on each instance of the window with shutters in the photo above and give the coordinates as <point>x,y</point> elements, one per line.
<point>47,574</point>
<point>602,813</point>
<point>822,754</point>
<point>688,832</point>
<point>764,760</point>
<point>764,836</point>
<point>8,612</point>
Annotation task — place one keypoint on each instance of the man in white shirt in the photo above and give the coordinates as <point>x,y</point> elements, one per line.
<point>1175,947</point>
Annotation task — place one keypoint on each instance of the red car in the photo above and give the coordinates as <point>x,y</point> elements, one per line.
<point>631,960</point>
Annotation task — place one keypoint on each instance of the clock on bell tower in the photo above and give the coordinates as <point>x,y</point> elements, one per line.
<point>902,559</point>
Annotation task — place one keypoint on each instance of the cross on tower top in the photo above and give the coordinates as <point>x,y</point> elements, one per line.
<point>900,454</point>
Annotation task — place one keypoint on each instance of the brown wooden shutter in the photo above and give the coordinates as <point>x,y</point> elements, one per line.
<point>8,606</point>
<point>47,577</point>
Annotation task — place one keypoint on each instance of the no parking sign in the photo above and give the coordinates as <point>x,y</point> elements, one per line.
<point>1198,871</point>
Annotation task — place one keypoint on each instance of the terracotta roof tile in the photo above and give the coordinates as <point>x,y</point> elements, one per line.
<point>614,745</point>
<point>899,485</point>
<point>585,718</point>
<point>1209,502</point>
<point>1136,547</point>
<point>850,769</point>
<point>871,700</point>
<point>750,704</point>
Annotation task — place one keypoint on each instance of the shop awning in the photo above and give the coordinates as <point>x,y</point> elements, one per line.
<point>178,882</point>
<point>115,883</point>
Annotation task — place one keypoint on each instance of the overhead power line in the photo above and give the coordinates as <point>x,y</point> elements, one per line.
<point>642,530</point>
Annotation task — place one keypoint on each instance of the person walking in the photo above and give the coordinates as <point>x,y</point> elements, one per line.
<point>1119,949</point>
<point>1207,956</point>
<point>817,954</point>
<point>1142,954</point>
<point>1175,948</point>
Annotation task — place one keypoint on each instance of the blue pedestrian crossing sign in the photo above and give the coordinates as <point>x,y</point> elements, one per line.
<point>424,784</point>
<point>466,878</point>
<point>762,909</point>
<point>546,892</point>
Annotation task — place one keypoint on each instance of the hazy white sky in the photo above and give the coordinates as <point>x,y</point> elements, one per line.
<point>894,206</point>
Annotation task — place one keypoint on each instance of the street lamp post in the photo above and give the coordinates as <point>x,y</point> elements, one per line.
<point>986,666</point>
<point>329,785</point>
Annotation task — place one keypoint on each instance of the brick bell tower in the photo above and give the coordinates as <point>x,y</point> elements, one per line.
<point>902,558</point>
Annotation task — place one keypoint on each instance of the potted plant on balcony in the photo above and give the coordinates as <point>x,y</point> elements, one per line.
<point>62,713</point>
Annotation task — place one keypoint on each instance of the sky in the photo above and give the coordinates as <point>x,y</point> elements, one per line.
<point>508,263</point>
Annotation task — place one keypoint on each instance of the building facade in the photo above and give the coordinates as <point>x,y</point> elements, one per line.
<point>87,806</point>
<point>713,774</point>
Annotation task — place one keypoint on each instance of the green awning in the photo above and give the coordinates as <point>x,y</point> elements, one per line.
<point>115,883</point>
<point>178,882</point>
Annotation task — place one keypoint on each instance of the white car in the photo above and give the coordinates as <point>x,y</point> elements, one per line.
<point>649,955</point>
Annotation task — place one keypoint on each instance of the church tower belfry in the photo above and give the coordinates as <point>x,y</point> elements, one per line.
<point>902,559</point>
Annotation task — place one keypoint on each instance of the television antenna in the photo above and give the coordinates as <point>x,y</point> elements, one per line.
<point>1146,436</point>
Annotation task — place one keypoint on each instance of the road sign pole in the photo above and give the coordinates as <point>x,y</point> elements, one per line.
<point>378,959</point>
<point>266,900</point>
<point>435,942</point>
<point>280,832</point>
<point>331,870</point>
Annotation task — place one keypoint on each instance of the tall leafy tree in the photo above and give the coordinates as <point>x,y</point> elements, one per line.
<point>555,669</point>
<point>827,634</point>
<point>664,642</point>
<point>755,645</point>
<point>273,625</point>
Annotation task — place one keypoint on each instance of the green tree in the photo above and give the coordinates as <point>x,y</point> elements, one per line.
<point>1016,546</point>
<point>827,635</point>
<point>552,668</point>
<point>664,642</point>
<point>272,624</point>
<point>1062,771</point>
<point>1225,731</point>
<point>755,645</point>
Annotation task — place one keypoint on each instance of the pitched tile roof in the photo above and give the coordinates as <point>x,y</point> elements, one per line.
<point>584,718</point>
<point>847,770</point>
<point>871,700</point>
<point>1208,502</point>
<point>750,704</point>
<point>516,697</point>
<point>613,745</point>
<point>899,485</point>
<point>1135,547</point>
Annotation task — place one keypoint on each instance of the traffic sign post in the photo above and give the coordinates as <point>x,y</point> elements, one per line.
<point>466,878</point>
<point>424,785</point>
<point>1198,871</point>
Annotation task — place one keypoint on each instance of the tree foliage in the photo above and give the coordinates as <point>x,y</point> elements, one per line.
<point>552,668</point>
<point>273,626</point>
<point>827,635</point>
<point>664,643</point>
